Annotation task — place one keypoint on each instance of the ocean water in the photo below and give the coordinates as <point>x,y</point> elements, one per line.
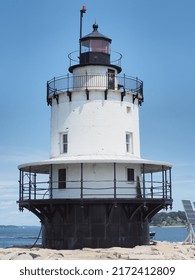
<point>27,235</point>
<point>170,234</point>
<point>19,236</point>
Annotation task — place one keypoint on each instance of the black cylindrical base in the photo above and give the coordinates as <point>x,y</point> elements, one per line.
<point>102,225</point>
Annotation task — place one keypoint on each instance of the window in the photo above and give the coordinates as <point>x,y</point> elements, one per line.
<point>64,143</point>
<point>62,178</point>
<point>93,45</point>
<point>130,175</point>
<point>85,46</point>
<point>129,142</point>
<point>128,109</point>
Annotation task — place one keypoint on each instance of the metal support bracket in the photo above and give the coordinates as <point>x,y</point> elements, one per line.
<point>140,99</point>
<point>56,96</point>
<point>123,93</point>
<point>69,94</point>
<point>87,93</point>
<point>106,94</point>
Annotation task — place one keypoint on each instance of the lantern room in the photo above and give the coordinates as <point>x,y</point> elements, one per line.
<point>95,48</point>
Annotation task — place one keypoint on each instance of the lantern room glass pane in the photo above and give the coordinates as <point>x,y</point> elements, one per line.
<point>95,45</point>
<point>85,46</point>
<point>105,47</point>
<point>100,46</point>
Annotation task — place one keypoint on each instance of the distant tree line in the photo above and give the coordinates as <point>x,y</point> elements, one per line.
<point>169,219</point>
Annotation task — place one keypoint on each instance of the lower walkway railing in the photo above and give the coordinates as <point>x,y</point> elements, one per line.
<point>87,189</point>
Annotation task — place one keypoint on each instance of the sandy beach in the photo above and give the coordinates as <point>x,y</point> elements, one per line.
<point>155,251</point>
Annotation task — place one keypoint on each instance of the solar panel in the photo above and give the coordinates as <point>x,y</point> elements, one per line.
<point>190,214</point>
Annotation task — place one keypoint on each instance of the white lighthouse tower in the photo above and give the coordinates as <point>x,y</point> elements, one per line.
<point>95,190</point>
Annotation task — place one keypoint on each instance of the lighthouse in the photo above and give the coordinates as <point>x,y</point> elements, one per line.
<point>95,190</point>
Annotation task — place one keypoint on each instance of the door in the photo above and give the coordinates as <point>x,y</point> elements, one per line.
<point>111,79</point>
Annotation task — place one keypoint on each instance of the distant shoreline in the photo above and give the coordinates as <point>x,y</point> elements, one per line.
<point>176,226</point>
<point>12,226</point>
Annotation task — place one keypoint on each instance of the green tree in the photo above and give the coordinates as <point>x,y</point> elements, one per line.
<point>170,218</point>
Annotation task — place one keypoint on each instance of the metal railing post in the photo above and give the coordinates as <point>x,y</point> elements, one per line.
<point>34,184</point>
<point>124,82</point>
<point>87,91</point>
<point>51,181</point>
<point>20,186</point>
<point>68,82</point>
<point>47,91</point>
<point>30,184</point>
<point>152,187</point>
<point>86,81</point>
<point>114,180</point>
<point>170,193</point>
<point>144,185</point>
<point>163,182</point>
<point>166,183</point>
<point>137,86</point>
<point>81,180</point>
<point>54,84</point>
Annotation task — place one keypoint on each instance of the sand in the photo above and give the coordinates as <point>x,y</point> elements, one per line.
<point>154,251</point>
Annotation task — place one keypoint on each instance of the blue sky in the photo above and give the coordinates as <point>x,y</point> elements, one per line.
<point>156,39</point>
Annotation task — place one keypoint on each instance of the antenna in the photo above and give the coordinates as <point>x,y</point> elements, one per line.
<point>82,11</point>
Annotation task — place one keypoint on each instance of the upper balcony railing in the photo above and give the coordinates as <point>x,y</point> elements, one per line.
<point>105,82</point>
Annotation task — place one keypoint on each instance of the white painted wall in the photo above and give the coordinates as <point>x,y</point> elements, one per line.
<point>96,126</point>
<point>98,181</point>
<point>95,74</point>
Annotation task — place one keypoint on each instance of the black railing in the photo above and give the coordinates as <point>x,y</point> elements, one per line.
<point>82,189</point>
<point>71,83</point>
<point>115,58</point>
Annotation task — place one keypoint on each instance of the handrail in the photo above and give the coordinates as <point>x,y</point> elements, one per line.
<point>42,189</point>
<point>71,82</point>
<point>74,58</point>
